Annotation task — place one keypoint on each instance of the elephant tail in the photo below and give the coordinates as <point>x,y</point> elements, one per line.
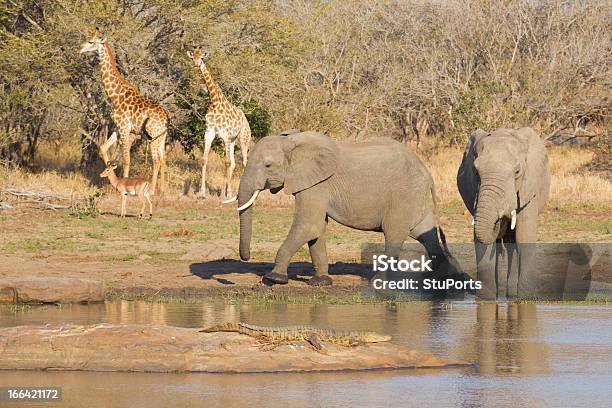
<point>434,199</point>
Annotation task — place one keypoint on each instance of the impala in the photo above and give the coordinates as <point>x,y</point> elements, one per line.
<point>129,186</point>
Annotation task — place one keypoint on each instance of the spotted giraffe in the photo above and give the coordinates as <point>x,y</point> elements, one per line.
<point>132,113</point>
<point>223,120</point>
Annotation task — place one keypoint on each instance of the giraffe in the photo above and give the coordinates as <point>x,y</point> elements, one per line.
<point>223,120</point>
<point>131,112</point>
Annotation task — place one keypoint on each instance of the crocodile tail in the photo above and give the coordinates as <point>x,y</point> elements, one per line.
<point>223,327</point>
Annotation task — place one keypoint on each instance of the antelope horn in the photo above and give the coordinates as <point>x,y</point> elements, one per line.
<point>230,200</point>
<point>513,222</point>
<point>250,202</point>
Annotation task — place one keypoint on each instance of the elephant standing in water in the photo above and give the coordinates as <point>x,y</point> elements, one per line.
<point>375,186</point>
<point>504,182</point>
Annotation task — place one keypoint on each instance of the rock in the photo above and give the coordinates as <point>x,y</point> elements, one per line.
<point>105,347</point>
<point>50,290</point>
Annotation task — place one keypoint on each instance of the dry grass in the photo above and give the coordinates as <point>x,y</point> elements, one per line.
<point>443,167</point>
<point>571,184</point>
<point>69,184</point>
<point>179,232</point>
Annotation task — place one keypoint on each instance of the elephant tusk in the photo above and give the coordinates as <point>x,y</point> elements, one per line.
<point>250,202</point>
<point>231,200</point>
<point>473,222</point>
<point>513,222</point>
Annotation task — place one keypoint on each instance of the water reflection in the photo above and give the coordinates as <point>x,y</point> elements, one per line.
<point>527,355</point>
<point>499,338</point>
<point>507,339</point>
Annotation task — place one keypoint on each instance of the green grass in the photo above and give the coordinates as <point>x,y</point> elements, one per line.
<point>268,297</point>
<point>318,297</point>
<point>124,258</point>
<point>601,300</point>
<point>37,245</point>
<point>605,227</point>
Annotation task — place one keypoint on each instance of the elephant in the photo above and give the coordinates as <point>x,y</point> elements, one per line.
<point>372,186</point>
<point>504,182</point>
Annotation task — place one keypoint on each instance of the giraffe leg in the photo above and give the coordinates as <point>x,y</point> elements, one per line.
<point>230,165</point>
<point>157,158</point>
<point>124,135</point>
<point>162,165</point>
<point>150,206</point>
<point>107,145</point>
<point>208,139</point>
<point>245,142</point>
<point>158,154</point>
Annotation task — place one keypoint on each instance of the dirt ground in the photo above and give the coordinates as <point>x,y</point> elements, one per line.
<point>191,247</point>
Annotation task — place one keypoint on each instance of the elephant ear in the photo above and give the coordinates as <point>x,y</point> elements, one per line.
<point>475,137</point>
<point>467,177</point>
<point>311,158</point>
<point>534,181</point>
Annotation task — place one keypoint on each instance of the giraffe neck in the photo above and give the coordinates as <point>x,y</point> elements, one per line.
<point>216,95</point>
<point>112,79</point>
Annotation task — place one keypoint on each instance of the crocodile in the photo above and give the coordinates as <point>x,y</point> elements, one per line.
<point>312,335</point>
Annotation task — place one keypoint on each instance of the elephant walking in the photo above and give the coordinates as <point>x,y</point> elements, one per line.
<point>375,186</point>
<point>504,182</point>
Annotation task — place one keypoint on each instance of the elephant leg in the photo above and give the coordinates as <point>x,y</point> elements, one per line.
<point>526,238</point>
<point>513,269</point>
<point>309,222</point>
<point>427,234</point>
<point>394,240</point>
<point>318,254</point>
<point>486,269</point>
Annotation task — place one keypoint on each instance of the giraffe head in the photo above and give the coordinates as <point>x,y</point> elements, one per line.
<point>94,42</point>
<point>198,55</point>
<point>110,168</point>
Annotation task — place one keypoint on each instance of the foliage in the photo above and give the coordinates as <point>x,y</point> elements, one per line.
<point>343,67</point>
<point>89,207</point>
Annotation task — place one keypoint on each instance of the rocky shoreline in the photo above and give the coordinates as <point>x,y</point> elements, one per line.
<point>152,348</point>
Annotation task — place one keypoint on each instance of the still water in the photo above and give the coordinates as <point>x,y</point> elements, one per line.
<point>526,355</point>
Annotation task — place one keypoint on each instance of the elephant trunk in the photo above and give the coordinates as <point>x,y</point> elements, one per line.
<point>486,223</point>
<point>245,193</point>
<point>246,232</point>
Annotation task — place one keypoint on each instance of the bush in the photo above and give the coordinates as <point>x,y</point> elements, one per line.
<point>334,66</point>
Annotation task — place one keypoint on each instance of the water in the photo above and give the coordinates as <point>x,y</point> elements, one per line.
<point>527,355</point>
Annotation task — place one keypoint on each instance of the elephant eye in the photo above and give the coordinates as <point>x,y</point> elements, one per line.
<point>268,165</point>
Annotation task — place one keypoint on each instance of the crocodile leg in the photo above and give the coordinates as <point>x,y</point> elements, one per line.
<point>269,344</point>
<point>353,342</point>
<point>314,341</point>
